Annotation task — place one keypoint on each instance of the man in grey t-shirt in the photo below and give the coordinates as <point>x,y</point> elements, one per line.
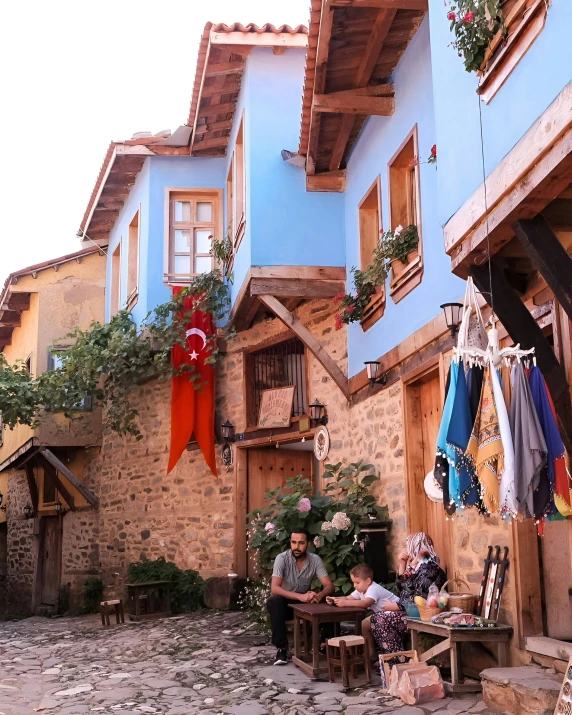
<point>292,576</point>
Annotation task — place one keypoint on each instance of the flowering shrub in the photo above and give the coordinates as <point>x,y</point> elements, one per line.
<point>474,23</point>
<point>392,245</point>
<point>331,518</point>
<point>253,597</point>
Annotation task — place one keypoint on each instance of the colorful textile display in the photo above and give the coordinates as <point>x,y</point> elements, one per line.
<point>562,484</point>
<point>485,448</point>
<point>530,451</point>
<point>508,506</point>
<point>463,485</point>
<point>443,455</point>
<point>474,388</point>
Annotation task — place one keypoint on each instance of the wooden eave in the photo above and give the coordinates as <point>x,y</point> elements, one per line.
<point>534,178</point>
<point>221,62</point>
<point>353,48</point>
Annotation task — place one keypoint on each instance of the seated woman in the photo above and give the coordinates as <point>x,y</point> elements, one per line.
<point>418,569</point>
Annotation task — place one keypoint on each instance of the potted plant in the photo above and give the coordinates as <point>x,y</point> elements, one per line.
<point>404,249</point>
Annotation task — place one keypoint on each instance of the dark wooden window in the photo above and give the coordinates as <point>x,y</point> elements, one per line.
<point>49,484</point>
<point>278,365</point>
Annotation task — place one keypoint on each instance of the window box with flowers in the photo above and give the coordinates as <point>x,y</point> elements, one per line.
<point>493,35</point>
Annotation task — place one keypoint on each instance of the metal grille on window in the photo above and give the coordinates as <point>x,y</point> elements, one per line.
<point>282,365</point>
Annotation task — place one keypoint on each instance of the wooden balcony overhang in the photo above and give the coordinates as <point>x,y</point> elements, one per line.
<point>353,48</point>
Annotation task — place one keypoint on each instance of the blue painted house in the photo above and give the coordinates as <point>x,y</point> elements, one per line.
<point>301,145</point>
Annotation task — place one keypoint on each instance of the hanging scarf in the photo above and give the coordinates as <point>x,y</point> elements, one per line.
<point>562,487</point>
<point>544,497</point>
<point>443,457</point>
<point>419,545</point>
<point>508,505</point>
<point>485,448</point>
<point>474,388</point>
<point>529,444</point>
<point>462,479</point>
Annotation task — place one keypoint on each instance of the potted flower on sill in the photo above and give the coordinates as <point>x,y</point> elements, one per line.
<point>404,249</point>
<point>474,24</point>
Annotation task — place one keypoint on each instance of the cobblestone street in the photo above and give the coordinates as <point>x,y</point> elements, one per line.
<point>207,663</point>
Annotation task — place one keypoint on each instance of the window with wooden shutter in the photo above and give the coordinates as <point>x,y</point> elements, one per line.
<point>369,218</point>
<point>523,22</point>
<point>133,262</point>
<point>404,206</point>
<point>115,304</point>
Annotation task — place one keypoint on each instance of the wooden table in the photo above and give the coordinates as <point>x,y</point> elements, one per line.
<point>307,620</point>
<point>147,600</point>
<point>499,635</point>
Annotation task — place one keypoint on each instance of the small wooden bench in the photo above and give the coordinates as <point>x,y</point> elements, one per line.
<point>499,635</point>
<point>112,606</point>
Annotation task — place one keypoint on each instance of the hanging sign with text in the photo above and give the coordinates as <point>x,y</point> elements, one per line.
<point>276,408</point>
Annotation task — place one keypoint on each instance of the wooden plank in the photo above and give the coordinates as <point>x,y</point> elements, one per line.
<point>313,345</point>
<point>327,181</point>
<point>561,650</point>
<point>330,273</point>
<point>213,143</point>
<point>374,90</point>
<point>213,127</point>
<point>10,318</point>
<point>51,473</point>
<point>240,491</point>
<point>223,68</point>
<point>549,257</point>
<point>262,39</point>
<point>435,650</point>
<point>348,104</point>
<point>214,110</point>
<point>523,329</point>
<point>322,53</point>
<point>70,476</point>
<point>537,141</point>
<point>215,90</point>
<point>384,4</point>
<point>298,287</point>
<point>525,569</point>
<point>32,486</point>
<point>16,301</point>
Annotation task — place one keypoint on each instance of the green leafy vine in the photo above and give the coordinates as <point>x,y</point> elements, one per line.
<point>474,24</point>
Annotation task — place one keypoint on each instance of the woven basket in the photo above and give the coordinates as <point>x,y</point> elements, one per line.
<point>462,599</point>
<point>426,613</point>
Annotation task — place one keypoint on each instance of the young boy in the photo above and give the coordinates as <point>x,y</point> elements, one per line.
<point>369,596</point>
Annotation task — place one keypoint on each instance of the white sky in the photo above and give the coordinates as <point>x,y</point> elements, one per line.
<point>76,75</point>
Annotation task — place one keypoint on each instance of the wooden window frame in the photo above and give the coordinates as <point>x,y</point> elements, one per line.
<point>524,22</point>
<point>376,306</point>
<point>133,240</point>
<point>239,158</point>
<point>194,194</point>
<point>410,277</point>
<point>115,297</point>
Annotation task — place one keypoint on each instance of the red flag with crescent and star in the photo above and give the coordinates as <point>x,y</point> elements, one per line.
<point>192,408</point>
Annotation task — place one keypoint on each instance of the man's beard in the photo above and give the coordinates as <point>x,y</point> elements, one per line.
<point>297,554</point>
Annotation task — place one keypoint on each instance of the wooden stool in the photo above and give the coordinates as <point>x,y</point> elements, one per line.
<point>106,608</point>
<point>349,658</point>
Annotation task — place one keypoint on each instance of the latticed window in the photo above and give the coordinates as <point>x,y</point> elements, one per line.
<point>280,365</point>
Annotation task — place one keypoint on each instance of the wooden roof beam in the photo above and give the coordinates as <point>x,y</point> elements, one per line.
<point>313,345</point>
<point>215,89</point>
<point>223,68</point>
<point>214,110</point>
<point>86,493</point>
<point>322,53</point>
<point>384,4</point>
<point>327,180</point>
<point>363,75</point>
<point>210,143</point>
<point>213,127</point>
<point>10,318</point>
<point>378,106</point>
<point>296,287</point>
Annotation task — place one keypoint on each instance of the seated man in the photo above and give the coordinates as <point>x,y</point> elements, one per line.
<point>292,576</point>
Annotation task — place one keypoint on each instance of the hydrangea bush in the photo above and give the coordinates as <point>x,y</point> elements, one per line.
<point>332,518</point>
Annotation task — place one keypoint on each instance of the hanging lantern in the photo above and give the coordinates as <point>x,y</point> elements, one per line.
<point>317,412</point>
<point>453,316</point>
<point>28,511</point>
<point>227,430</point>
<point>373,369</point>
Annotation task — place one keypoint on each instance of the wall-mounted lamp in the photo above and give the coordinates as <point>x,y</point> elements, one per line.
<point>374,374</point>
<point>60,508</point>
<point>318,414</point>
<point>227,431</point>
<point>28,511</point>
<point>453,316</point>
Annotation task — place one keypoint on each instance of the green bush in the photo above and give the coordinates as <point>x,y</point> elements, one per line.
<point>332,518</point>
<point>92,594</point>
<point>187,587</point>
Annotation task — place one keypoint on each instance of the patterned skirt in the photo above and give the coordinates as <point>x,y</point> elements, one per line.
<point>388,629</point>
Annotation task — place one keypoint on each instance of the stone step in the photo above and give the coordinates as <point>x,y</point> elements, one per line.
<point>525,690</point>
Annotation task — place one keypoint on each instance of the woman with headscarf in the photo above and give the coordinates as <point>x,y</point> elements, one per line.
<point>418,569</point>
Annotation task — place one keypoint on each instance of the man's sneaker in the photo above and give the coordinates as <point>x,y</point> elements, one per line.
<point>281,657</point>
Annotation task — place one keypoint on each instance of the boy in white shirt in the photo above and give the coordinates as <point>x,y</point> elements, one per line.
<point>369,596</point>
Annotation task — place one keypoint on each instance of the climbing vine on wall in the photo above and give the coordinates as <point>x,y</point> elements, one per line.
<point>110,360</point>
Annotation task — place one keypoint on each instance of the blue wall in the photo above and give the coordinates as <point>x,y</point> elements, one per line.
<point>287,225</point>
<point>376,145</point>
<point>533,85</point>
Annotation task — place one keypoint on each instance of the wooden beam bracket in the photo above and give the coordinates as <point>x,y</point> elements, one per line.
<point>88,495</point>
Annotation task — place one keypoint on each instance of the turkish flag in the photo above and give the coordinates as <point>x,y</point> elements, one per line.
<point>192,408</point>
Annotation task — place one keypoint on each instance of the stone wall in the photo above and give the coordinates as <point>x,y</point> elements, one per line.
<point>21,546</point>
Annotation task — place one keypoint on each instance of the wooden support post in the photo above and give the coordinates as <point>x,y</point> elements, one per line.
<point>32,486</point>
<point>313,345</point>
<point>524,329</point>
<point>70,476</point>
<point>548,256</point>
<point>51,474</point>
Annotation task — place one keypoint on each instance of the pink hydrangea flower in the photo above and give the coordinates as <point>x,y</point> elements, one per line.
<point>317,542</point>
<point>270,528</point>
<point>305,504</point>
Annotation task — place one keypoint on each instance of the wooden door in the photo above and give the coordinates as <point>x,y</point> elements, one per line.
<point>50,554</point>
<point>424,404</point>
<point>269,468</point>
<point>557,577</point>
